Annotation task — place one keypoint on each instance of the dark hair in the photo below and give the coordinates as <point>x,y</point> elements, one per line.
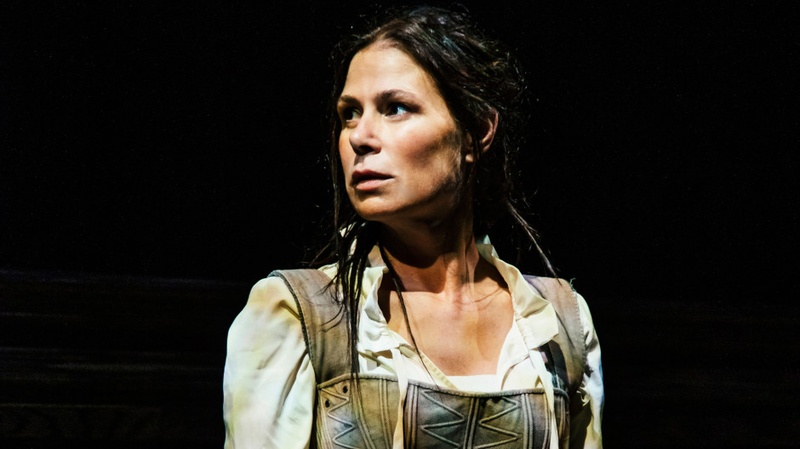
<point>478,78</point>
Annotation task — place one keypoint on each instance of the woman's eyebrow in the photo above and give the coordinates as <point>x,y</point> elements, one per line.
<point>385,95</point>
<point>391,94</point>
<point>347,99</point>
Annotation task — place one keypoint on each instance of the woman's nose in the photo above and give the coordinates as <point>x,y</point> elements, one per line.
<point>363,138</point>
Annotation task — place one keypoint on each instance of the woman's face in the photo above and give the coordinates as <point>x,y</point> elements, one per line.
<point>400,148</point>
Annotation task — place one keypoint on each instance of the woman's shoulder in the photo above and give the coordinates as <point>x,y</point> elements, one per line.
<point>548,285</point>
<point>269,293</point>
<point>564,297</point>
<point>278,290</point>
<point>272,305</point>
<point>269,313</point>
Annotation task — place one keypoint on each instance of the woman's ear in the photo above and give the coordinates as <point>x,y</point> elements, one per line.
<point>487,134</point>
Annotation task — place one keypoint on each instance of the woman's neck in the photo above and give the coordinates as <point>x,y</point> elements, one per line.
<point>442,260</point>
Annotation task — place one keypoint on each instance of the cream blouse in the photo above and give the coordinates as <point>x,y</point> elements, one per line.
<point>269,384</point>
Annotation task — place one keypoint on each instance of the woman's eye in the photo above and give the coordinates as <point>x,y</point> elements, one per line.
<point>397,109</point>
<point>348,114</point>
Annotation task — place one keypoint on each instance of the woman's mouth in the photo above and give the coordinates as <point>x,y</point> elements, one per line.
<point>364,180</point>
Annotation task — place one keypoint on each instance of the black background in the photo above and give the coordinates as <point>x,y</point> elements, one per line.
<point>176,141</point>
<point>186,141</point>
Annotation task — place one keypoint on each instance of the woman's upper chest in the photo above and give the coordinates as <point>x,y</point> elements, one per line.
<point>461,337</point>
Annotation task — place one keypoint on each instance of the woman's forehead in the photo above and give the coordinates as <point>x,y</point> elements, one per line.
<point>383,67</point>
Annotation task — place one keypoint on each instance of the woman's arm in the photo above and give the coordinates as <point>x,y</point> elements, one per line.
<point>269,383</point>
<point>585,427</point>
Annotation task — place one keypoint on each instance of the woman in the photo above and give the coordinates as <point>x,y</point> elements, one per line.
<point>423,336</point>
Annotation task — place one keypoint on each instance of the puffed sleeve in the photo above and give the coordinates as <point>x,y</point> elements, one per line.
<point>585,427</point>
<point>268,384</point>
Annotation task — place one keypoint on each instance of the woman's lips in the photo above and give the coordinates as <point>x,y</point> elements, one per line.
<point>365,180</point>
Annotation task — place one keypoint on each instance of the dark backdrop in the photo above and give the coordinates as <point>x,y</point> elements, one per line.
<point>186,141</point>
<point>158,140</point>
